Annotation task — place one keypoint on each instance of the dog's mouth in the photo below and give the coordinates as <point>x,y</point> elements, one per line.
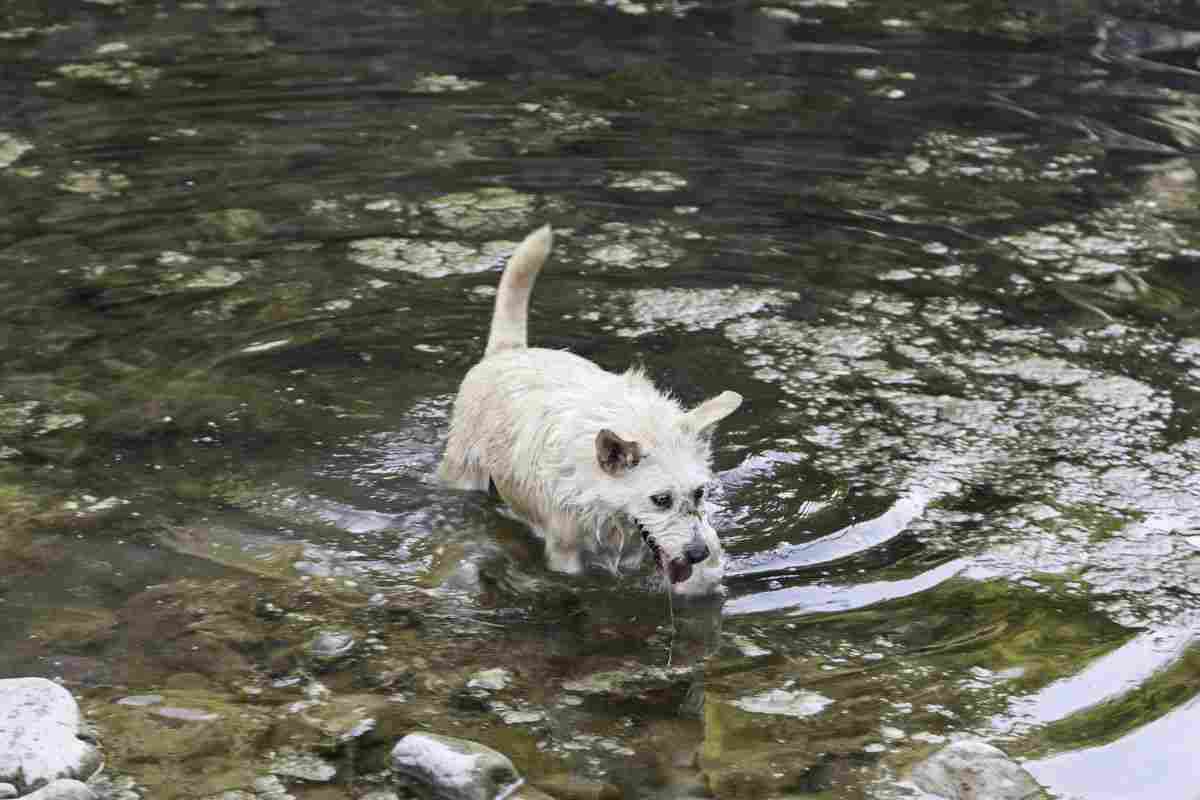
<point>676,570</point>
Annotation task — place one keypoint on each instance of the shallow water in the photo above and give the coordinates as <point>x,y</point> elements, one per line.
<point>945,251</point>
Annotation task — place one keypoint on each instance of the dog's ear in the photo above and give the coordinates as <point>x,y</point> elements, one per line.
<point>701,419</point>
<point>616,455</point>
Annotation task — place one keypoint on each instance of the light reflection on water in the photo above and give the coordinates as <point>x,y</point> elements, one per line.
<point>1107,677</point>
<point>1157,760</point>
<point>830,598</point>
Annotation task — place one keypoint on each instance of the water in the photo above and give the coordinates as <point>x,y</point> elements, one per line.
<point>946,253</point>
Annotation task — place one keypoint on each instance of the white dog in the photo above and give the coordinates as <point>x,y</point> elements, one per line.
<point>602,466</point>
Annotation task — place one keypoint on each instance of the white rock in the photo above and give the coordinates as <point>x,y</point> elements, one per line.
<point>974,770</point>
<point>62,790</point>
<point>7,790</point>
<point>271,788</point>
<point>446,768</point>
<point>490,679</point>
<point>39,735</point>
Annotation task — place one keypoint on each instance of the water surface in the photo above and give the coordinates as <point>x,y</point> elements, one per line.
<point>945,251</point>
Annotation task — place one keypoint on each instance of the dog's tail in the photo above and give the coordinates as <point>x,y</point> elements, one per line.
<point>516,284</point>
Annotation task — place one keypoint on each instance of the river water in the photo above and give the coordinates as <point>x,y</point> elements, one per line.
<point>946,251</point>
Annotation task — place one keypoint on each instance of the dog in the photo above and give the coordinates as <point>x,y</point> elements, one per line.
<point>603,466</point>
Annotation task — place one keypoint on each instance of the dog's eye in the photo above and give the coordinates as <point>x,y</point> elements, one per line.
<point>662,499</point>
<point>698,495</point>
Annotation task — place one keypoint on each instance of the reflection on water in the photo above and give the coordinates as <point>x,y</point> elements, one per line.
<point>946,252</point>
<point>823,598</point>
<point>1154,761</point>
<point>1112,675</point>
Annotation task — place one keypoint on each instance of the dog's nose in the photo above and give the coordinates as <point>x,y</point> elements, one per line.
<point>696,551</point>
<point>679,570</point>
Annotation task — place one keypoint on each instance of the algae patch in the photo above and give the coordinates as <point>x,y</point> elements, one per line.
<point>95,183</point>
<point>428,259</point>
<point>439,84</point>
<point>120,74</point>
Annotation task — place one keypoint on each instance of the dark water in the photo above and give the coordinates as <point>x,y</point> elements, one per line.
<point>946,251</point>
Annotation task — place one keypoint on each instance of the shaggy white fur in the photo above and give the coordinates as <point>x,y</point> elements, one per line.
<point>604,467</point>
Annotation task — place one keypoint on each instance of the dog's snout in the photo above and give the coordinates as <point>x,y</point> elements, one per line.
<point>679,570</point>
<point>696,551</point>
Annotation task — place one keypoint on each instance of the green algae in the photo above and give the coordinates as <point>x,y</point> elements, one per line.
<point>1099,521</point>
<point>95,183</point>
<point>221,751</point>
<point>234,224</point>
<point>993,625</point>
<point>438,84</point>
<point>428,259</point>
<point>120,74</point>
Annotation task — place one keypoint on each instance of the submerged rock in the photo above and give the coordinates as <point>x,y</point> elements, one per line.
<point>798,703</point>
<point>330,646</point>
<point>489,207</point>
<point>650,310</point>
<point>655,180</point>
<point>185,714</point>
<point>303,766</point>
<point>629,683</point>
<point>973,770</point>
<point>234,224</point>
<point>446,768</point>
<point>12,148</point>
<point>542,126</point>
<point>39,735</point>
<point>636,246</point>
<point>490,679</point>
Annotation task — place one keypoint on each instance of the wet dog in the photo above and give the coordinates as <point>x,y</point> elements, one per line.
<point>604,467</point>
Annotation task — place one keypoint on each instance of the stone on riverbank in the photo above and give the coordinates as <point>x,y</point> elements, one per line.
<point>39,735</point>
<point>63,790</point>
<point>444,768</point>
<point>973,770</point>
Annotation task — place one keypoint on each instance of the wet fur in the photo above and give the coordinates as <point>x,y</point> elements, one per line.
<point>578,452</point>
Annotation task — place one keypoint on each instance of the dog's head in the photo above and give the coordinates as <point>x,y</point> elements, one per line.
<point>656,490</point>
